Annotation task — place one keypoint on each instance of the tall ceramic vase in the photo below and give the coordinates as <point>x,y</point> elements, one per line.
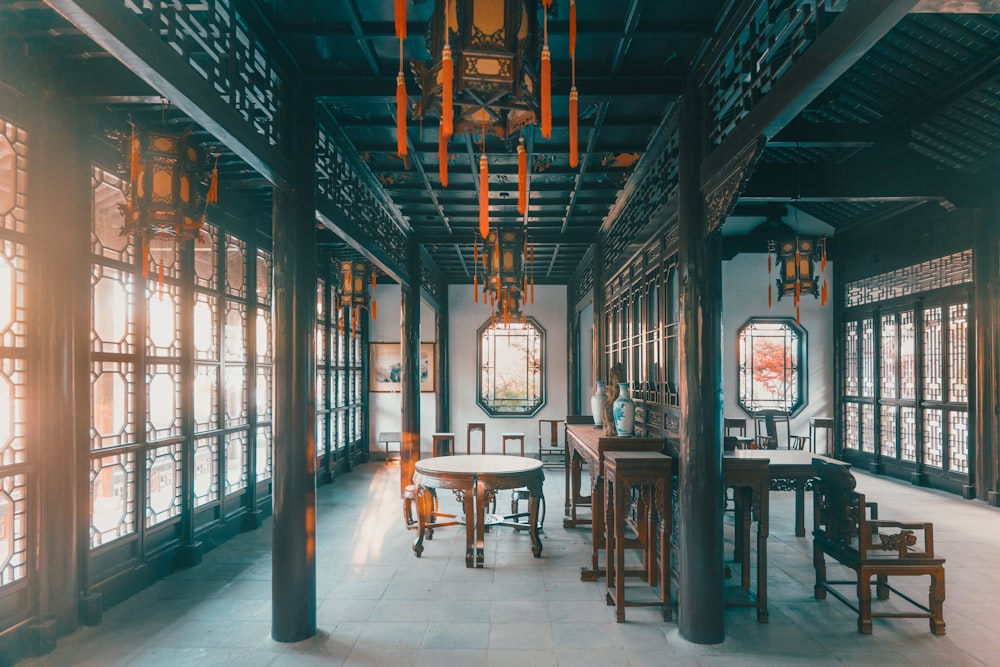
<point>624,411</point>
<point>597,404</point>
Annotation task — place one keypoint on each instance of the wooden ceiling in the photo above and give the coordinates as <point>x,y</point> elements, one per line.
<point>910,120</point>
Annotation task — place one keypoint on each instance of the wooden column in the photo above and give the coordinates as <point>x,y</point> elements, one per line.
<point>409,342</point>
<point>573,379</point>
<point>59,228</point>
<point>293,574</point>
<point>985,478</point>
<point>700,493</point>
<point>600,364</point>
<point>442,391</point>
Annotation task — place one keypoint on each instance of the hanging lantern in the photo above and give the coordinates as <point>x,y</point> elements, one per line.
<point>795,260</point>
<point>167,197</point>
<point>490,48</point>
<point>505,272</point>
<point>353,294</point>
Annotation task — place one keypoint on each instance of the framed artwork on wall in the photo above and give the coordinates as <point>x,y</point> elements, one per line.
<point>386,367</point>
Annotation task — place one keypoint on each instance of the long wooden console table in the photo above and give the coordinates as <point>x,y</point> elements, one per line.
<point>586,444</point>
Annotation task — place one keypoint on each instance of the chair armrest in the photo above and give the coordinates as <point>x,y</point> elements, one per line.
<point>905,541</point>
<point>872,508</point>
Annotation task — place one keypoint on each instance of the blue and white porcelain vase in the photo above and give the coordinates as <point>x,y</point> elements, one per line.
<point>597,404</point>
<point>624,411</point>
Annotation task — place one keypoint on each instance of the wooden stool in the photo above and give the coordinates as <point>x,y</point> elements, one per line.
<point>651,474</point>
<point>552,448</point>
<point>515,437</point>
<point>443,444</point>
<point>474,426</point>
<point>815,424</point>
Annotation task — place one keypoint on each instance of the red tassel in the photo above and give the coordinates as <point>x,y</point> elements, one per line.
<point>401,105</point>
<point>822,300</point>
<point>770,289</point>
<point>354,322</point>
<point>443,156</point>
<point>532,291</point>
<point>374,309</point>
<point>822,262</point>
<point>522,178</point>
<point>475,288</point>
<point>524,289</point>
<point>484,197</point>
<point>572,29</point>
<point>797,316</point>
<point>447,77</point>
<point>213,186</point>
<point>401,19</point>
<point>546,100</point>
<point>574,148</point>
<point>145,259</point>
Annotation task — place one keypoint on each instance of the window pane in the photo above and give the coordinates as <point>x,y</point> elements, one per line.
<point>771,365</point>
<point>510,362</point>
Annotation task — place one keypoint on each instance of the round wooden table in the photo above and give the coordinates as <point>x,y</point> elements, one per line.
<point>475,479</point>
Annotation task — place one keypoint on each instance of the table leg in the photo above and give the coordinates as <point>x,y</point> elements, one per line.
<point>534,498</point>
<point>800,508</point>
<point>763,530</point>
<point>423,518</point>
<point>481,500</point>
<point>468,498</point>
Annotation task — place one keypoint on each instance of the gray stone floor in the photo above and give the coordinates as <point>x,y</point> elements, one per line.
<point>378,605</point>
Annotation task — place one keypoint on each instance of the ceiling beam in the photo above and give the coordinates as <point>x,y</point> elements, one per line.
<point>595,132</point>
<point>895,178</point>
<point>354,18</point>
<point>584,30</point>
<point>957,7</point>
<point>126,37</point>
<point>848,37</point>
<point>625,41</point>
<point>626,87</point>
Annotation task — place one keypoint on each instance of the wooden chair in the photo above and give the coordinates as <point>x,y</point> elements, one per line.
<point>739,425</point>
<point>549,428</point>
<point>766,430</point>
<point>872,548</point>
<point>472,428</point>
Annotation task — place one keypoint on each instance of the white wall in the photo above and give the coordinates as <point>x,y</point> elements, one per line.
<point>744,286</point>
<point>384,408</point>
<point>465,319</point>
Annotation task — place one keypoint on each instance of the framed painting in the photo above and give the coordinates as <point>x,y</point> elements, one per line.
<point>386,367</point>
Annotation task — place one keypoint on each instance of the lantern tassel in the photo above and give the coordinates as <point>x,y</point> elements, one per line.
<point>572,29</point>
<point>213,187</point>
<point>797,316</point>
<point>822,300</point>
<point>546,101</point>
<point>443,155</point>
<point>401,19</point>
<point>374,309</point>
<point>484,197</point>
<point>134,145</point>
<point>574,148</point>
<point>401,114</point>
<point>145,258</point>
<point>447,77</point>
<point>822,262</point>
<point>475,288</point>
<point>522,178</point>
<point>770,290</point>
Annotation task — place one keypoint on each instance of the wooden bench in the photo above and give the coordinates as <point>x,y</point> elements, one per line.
<point>872,548</point>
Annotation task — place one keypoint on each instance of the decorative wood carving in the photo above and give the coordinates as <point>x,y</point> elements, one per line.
<point>722,190</point>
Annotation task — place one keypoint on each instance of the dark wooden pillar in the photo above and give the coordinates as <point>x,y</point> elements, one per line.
<point>442,391</point>
<point>293,574</point>
<point>700,492</point>
<point>59,226</point>
<point>985,462</point>
<point>573,379</point>
<point>600,341</point>
<point>409,342</point>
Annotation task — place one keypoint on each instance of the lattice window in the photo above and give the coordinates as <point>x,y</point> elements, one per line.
<point>163,405</point>
<point>236,461</point>
<point>958,362</point>
<point>206,397</point>
<point>932,355</point>
<point>772,365</point>
<point>851,425</point>
<point>868,428</point>
<point>511,368</point>
<point>889,417</point>
<point>112,310</point>
<point>907,356</point>
<point>13,528</point>
<point>954,269</point>
<point>908,434</point>
<point>889,361</point>
<point>933,438</point>
<point>958,441</point>
<point>851,358</point>
<point>113,404</point>
<point>206,471</point>
<point>112,498</point>
<point>13,393</point>
<point>163,316</point>
<point>264,453</point>
<point>163,484</point>
<point>868,357</point>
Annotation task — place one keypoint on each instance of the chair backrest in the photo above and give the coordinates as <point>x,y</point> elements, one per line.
<point>475,426</point>
<point>838,510</point>
<point>767,423</point>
